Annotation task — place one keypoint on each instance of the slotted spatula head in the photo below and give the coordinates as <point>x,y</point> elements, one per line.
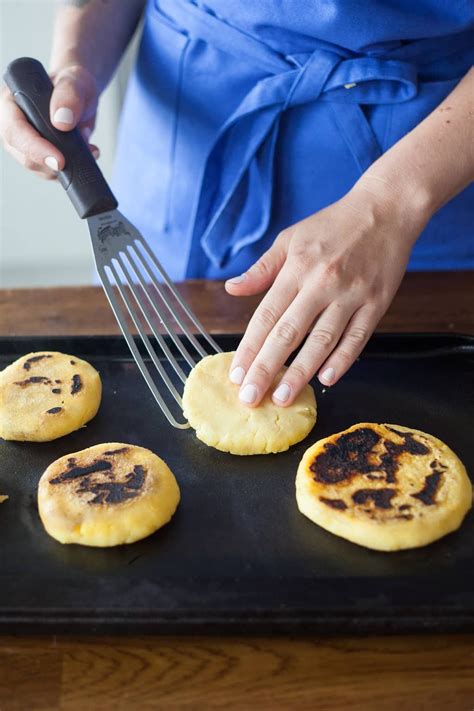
<point>136,285</point>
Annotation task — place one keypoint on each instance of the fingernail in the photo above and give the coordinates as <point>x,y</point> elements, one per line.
<point>248,394</point>
<point>237,279</point>
<point>63,115</point>
<point>237,375</point>
<point>52,163</point>
<point>327,376</point>
<point>96,153</point>
<point>282,393</point>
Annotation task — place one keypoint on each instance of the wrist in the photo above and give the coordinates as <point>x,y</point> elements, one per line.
<point>397,197</point>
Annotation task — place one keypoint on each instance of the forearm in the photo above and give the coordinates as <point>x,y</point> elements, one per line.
<point>93,34</point>
<point>432,163</point>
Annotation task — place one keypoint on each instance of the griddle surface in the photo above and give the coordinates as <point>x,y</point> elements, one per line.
<point>238,556</point>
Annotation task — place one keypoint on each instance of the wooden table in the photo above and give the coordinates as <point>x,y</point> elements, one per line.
<point>404,673</point>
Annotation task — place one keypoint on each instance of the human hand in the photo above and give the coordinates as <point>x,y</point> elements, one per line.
<point>332,276</point>
<point>73,103</point>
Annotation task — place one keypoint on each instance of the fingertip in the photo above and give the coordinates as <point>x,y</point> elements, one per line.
<point>283,395</point>
<point>54,163</point>
<point>237,279</point>
<point>327,376</point>
<point>233,285</point>
<point>237,375</point>
<point>246,288</point>
<point>248,395</point>
<point>63,119</point>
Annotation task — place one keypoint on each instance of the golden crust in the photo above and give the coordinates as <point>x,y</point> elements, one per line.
<point>47,395</point>
<point>386,487</point>
<point>213,409</point>
<point>107,495</point>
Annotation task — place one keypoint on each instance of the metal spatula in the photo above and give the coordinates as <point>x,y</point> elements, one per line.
<point>125,263</point>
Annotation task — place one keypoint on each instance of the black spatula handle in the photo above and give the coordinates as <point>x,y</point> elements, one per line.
<point>81,178</point>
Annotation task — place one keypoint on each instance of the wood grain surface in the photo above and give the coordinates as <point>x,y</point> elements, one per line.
<point>426,301</point>
<point>127,674</point>
<point>399,673</point>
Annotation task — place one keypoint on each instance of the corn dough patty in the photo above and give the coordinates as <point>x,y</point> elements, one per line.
<point>386,487</point>
<point>212,407</point>
<point>46,395</point>
<point>107,495</point>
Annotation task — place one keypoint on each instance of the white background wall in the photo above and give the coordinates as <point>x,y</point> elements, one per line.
<point>42,241</point>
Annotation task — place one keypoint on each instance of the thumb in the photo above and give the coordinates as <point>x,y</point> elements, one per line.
<point>261,275</point>
<point>74,98</point>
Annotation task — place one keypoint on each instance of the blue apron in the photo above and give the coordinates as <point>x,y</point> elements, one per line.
<point>244,116</point>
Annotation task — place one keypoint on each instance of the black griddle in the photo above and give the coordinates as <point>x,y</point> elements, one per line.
<point>238,556</point>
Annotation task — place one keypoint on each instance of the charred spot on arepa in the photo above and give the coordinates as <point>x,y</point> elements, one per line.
<point>389,460</point>
<point>122,450</point>
<point>427,494</point>
<point>99,465</point>
<point>54,410</point>
<point>76,384</point>
<point>346,457</point>
<point>382,498</point>
<point>108,490</point>
<point>115,492</point>
<point>438,466</point>
<point>353,453</point>
<point>34,359</point>
<point>56,391</point>
<point>338,504</point>
<point>33,380</point>
<point>400,433</point>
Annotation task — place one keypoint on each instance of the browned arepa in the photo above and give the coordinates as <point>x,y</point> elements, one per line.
<point>383,486</point>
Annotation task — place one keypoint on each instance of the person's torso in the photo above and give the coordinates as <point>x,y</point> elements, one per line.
<point>239,121</point>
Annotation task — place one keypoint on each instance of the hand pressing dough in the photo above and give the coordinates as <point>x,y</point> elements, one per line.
<point>107,495</point>
<point>46,395</point>
<point>386,487</point>
<point>212,407</point>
